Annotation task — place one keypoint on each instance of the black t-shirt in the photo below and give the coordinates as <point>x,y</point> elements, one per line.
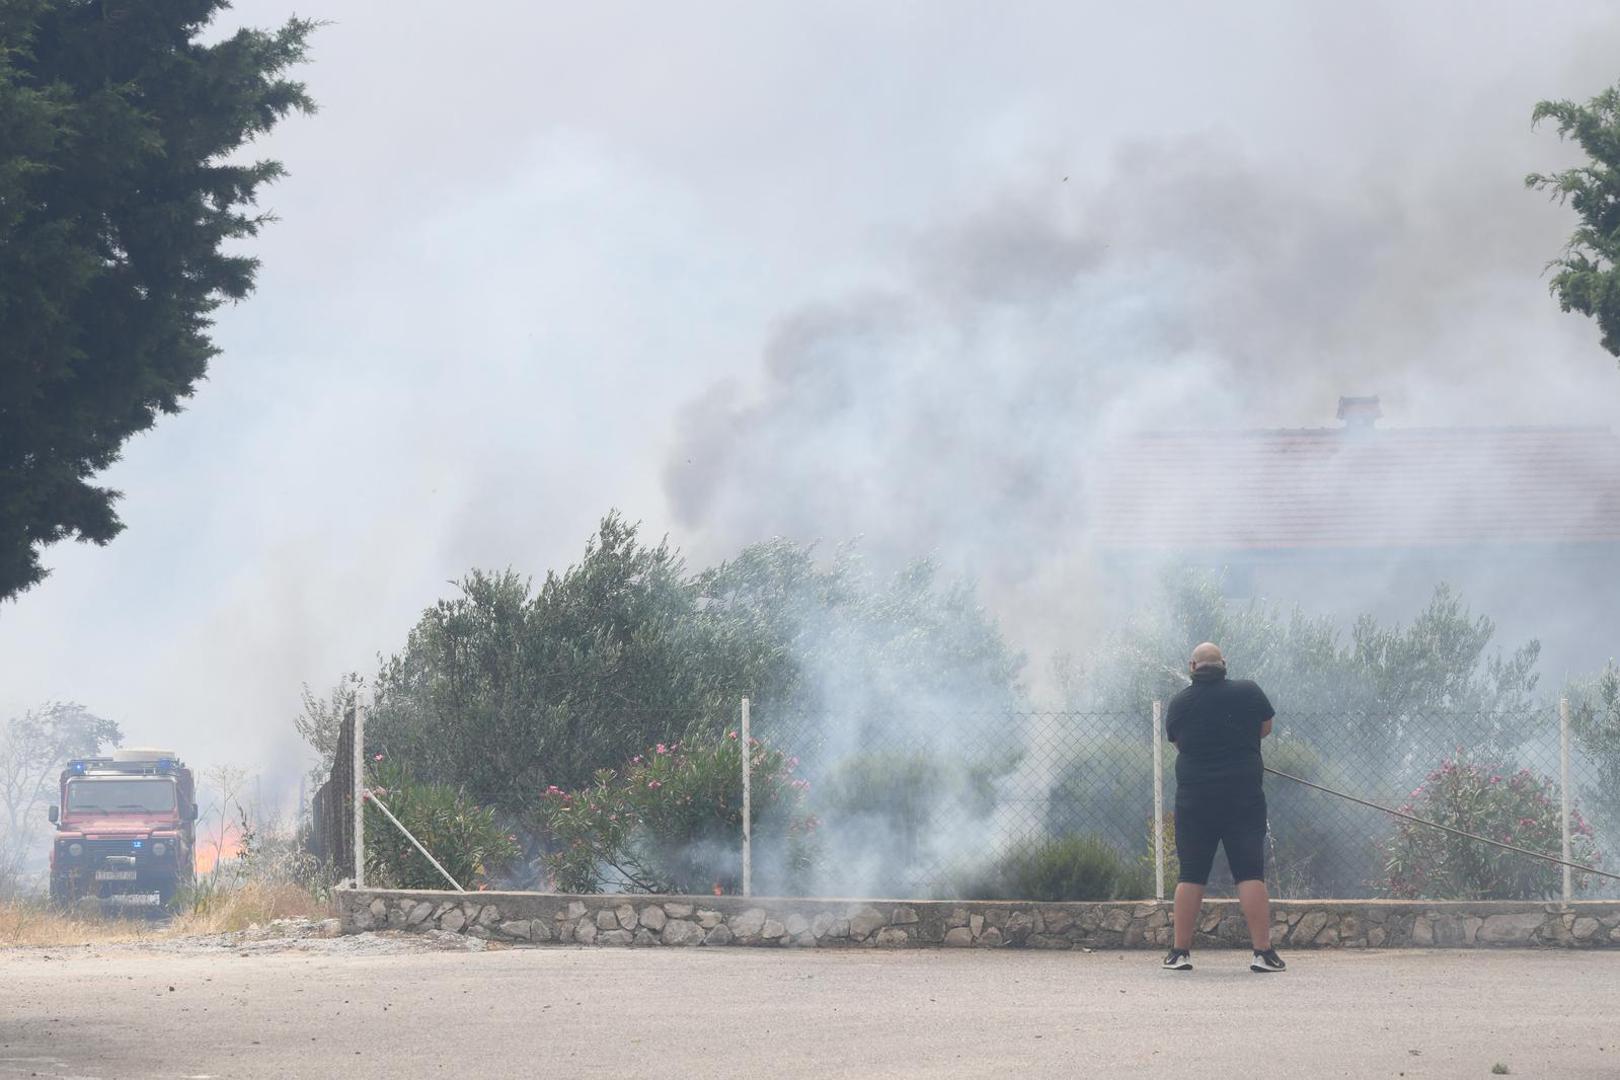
<point>1215,724</point>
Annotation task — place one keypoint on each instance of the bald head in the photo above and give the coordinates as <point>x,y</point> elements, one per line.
<point>1207,657</point>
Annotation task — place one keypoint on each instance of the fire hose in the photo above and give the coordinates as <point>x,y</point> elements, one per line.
<point>1447,828</point>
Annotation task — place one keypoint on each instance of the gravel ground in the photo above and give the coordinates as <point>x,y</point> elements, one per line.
<point>286,1001</point>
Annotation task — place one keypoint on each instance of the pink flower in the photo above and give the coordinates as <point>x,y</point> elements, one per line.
<point>662,749</point>
<point>377,758</point>
<point>731,734</point>
<point>654,785</point>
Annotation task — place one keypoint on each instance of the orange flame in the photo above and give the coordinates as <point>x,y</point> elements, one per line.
<point>213,850</point>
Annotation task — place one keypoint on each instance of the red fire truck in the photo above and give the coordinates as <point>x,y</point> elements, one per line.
<point>126,824</point>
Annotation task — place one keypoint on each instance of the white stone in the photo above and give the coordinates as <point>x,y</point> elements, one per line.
<point>419,914</point>
<point>1513,929</point>
<point>1584,928</point>
<point>903,916</point>
<point>749,923</point>
<point>452,920</point>
<point>678,911</point>
<point>891,936</point>
<point>976,924</point>
<point>615,937</point>
<point>720,935</point>
<point>772,930</point>
<point>576,910</point>
<point>710,919</point>
<point>958,937</point>
<point>585,932</point>
<point>652,917</point>
<point>796,924</point>
<point>1309,927</point>
<point>627,916</point>
<point>606,920</point>
<point>863,921</point>
<point>682,932</point>
<point>519,928</point>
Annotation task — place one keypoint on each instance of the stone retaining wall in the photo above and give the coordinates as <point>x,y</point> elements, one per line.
<point>544,918</point>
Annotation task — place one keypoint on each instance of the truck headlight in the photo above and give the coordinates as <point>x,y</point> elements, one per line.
<point>75,850</point>
<point>159,848</point>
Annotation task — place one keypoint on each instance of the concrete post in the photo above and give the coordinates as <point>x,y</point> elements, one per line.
<point>1563,790</point>
<point>748,805</point>
<point>1157,736</point>
<point>359,791</point>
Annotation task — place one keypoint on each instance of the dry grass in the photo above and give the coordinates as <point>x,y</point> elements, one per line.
<point>254,902</point>
<point>214,911</point>
<point>33,922</point>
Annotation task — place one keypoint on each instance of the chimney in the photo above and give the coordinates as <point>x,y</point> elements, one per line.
<point>1359,413</point>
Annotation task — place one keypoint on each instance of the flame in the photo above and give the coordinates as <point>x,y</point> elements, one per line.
<point>213,850</point>
<point>719,890</point>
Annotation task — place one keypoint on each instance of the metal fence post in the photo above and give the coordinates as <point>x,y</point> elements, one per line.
<point>1158,801</point>
<point>748,807</point>
<point>359,791</point>
<point>1563,788</point>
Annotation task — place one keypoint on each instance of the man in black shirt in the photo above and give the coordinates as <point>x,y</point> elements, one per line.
<point>1216,725</point>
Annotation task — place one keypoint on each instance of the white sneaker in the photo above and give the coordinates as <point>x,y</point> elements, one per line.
<point>1267,961</point>
<point>1177,960</point>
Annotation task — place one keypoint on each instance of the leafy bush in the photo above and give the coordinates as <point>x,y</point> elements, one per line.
<point>1108,783</point>
<point>1484,798</point>
<point>1320,845</point>
<point>1063,868</point>
<point>671,822</point>
<point>884,811</point>
<point>463,837</point>
<point>1595,721</point>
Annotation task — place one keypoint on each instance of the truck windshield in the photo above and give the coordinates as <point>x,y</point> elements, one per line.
<point>121,796</point>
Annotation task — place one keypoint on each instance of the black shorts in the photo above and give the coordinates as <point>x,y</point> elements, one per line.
<point>1236,822</point>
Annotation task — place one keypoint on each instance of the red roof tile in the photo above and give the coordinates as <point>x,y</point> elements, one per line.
<point>1333,488</point>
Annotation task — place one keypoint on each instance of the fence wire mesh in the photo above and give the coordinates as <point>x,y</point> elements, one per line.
<point>331,835</point>
<point>935,803</point>
<point>926,806</point>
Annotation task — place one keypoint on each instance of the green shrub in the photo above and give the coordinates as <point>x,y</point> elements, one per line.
<point>1063,868</point>
<point>884,811</point>
<point>1486,799</point>
<point>671,822</point>
<point>1107,785</point>
<point>462,835</point>
<point>1320,845</point>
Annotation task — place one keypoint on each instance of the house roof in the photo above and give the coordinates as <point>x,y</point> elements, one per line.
<point>1348,488</point>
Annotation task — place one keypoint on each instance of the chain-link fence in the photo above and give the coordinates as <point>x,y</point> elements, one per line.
<point>939,803</point>
<point>927,806</point>
<point>331,835</point>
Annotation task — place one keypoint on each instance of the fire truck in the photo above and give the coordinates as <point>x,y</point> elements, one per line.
<point>125,825</point>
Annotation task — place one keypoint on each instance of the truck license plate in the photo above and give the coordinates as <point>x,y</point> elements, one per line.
<point>115,875</point>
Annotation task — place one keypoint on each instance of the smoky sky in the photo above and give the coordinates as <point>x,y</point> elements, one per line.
<point>832,270</point>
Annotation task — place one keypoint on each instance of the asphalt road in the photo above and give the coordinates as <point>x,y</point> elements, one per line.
<point>134,1012</point>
